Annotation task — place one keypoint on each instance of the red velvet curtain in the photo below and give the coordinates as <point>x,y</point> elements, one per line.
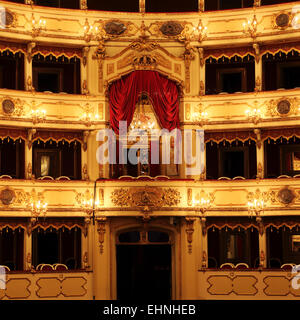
<point>124,93</point>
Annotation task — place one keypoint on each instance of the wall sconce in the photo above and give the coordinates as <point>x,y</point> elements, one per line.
<point>200,31</point>
<point>90,32</point>
<point>202,204</point>
<point>88,206</point>
<point>256,207</point>
<point>201,118</point>
<point>38,207</point>
<point>37,26</point>
<point>38,115</point>
<point>254,115</point>
<point>250,27</point>
<point>89,118</point>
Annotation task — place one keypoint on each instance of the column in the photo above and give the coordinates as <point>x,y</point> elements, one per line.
<point>83,4</point>
<point>27,248</point>
<point>257,3</point>
<point>190,248</point>
<point>84,70</point>
<point>84,156</point>
<point>92,168</point>
<point>101,265</point>
<point>262,240</point>
<point>86,254</point>
<point>28,67</point>
<point>28,154</point>
<point>259,155</point>
<point>142,5</point>
<point>201,72</point>
<point>258,68</point>
<point>201,5</point>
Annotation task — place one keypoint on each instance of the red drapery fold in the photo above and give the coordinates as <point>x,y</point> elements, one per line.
<point>163,93</point>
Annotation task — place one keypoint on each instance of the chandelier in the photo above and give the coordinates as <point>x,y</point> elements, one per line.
<point>38,207</point>
<point>140,120</point>
<point>256,206</point>
<point>202,204</point>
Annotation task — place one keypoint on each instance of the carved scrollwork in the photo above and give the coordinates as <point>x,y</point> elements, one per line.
<point>144,62</point>
<point>145,197</point>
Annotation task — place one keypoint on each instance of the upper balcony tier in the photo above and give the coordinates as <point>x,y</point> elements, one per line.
<point>136,197</point>
<point>208,29</point>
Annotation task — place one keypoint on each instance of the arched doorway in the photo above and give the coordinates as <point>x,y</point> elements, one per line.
<point>144,260</point>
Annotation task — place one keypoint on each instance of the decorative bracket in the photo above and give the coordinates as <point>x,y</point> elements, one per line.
<point>30,47</point>
<point>101,232</point>
<point>261,227</point>
<point>258,137</point>
<point>201,56</point>
<point>257,52</point>
<point>203,226</point>
<point>189,231</point>
<point>87,221</point>
<point>30,134</point>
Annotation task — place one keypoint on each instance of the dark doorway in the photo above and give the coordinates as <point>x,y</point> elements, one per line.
<point>143,272</point>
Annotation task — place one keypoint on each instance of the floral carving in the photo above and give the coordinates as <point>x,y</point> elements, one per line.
<point>145,197</point>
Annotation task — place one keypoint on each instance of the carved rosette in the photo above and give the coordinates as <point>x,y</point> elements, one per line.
<point>282,20</point>
<point>115,27</point>
<point>12,107</point>
<point>8,18</point>
<point>7,196</point>
<point>286,196</point>
<point>146,197</point>
<point>283,107</point>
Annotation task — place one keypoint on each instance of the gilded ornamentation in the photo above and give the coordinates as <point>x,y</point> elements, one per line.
<point>189,232</point>
<point>261,227</point>
<point>101,197</point>
<point>87,222</point>
<point>83,4</point>
<point>188,56</point>
<point>259,171</point>
<point>101,226</point>
<point>7,196</point>
<point>190,196</point>
<point>286,196</point>
<point>145,197</point>
<point>144,62</point>
<point>203,226</point>
<point>257,84</point>
<point>282,20</point>
<point>202,88</point>
<point>125,61</point>
<point>262,195</point>
<point>30,46</point>
<point>85,89</point>
<point>171,28</point>
<point>177,68</point>
<point>8,18</point>
<point>258,138</point>
<point>114,27</point>
<point>142,45</point>
<point>282,107</point>
<point>12,107</point>
<point>85,52</point>
<point>204,195</point>
<point>188,111</point>
<point>110,68</point>
<point>85,260</point>
<point>257,52</point>
<point>204,259</point>
<point>142,6</point>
